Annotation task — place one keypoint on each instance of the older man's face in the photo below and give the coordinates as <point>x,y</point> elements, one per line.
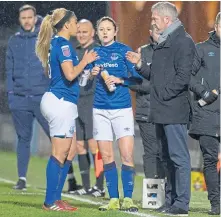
<point>154,34</point>
<point>85,33</point>
<point>159,22</point>
<point>217,29</point>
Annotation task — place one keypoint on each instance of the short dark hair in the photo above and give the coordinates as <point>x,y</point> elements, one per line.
<point>218,18</point>
<point>27,7</point>
<point>108,19</point>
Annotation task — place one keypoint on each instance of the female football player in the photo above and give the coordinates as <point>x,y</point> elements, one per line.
<point>113,112</point>
<point>58,104</point>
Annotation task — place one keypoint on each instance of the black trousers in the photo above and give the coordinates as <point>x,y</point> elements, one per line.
<point>24,110</point>
<point>210,147</point>
<point>172,138</point>
<point>151,159</point>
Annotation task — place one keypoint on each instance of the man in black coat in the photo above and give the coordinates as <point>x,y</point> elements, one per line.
<point>205,126</point>
<point>170,74</point>
<point>151,158</point>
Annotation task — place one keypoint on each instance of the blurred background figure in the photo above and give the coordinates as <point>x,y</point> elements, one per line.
<point>26,83</point>
<point>205,125</point>
<point>84,122</point>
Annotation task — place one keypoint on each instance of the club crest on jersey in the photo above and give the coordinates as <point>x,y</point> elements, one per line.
<point>211,54</point>
<point>114,56</point>
<point>66,50</point>
<point>72,129</point>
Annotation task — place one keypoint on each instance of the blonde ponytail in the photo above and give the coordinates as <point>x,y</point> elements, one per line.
<point>44,39</point>
<point>46,32</point>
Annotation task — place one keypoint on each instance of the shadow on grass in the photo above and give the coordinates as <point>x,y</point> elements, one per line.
<point>199,210</point>
<point>39,206</point>
<point>21,204</point>
<point>7,185</point>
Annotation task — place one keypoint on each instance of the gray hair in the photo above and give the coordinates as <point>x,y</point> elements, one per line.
<point>218,18</point>
<point>165,9</point>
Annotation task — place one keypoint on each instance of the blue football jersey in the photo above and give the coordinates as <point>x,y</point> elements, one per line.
<point>60,51</point>
<point>113,59</point>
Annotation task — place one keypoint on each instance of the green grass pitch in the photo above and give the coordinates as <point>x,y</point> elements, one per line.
<point>17,204</point>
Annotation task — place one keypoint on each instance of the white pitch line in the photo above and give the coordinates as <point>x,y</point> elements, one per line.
<point>7,181</point>
<point>21,193</point>
<point>71,197</point>
<point>81,199</point>
<point>10,182</point>
<point>141,214</point>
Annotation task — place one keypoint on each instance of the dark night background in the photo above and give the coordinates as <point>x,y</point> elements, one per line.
<point>89,10</point>
<point>9,25</point>
<point>128,20</point>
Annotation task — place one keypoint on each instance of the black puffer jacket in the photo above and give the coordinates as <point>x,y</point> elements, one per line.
<point>206,76</point>
<point>143,90</point>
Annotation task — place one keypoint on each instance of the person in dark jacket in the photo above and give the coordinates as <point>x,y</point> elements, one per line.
<point>170,74</point>
<point>26,83</point>
<point>205,125</point>
<point>84,122</point>
<point>151,158</point>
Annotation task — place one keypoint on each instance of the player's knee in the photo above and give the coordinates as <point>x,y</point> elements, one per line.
<point>61,157</point>
<point>80,148</point>
<point>107,157</point>
<point>127,159</point>
<point>71,154</point>
<point>93,146</point>
<point>93,150</point>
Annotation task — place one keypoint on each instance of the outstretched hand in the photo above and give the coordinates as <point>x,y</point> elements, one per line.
<point>133,57</point>
<point>90,56</point>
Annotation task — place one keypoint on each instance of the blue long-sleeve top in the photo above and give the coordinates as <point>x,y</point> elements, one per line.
<point>113,59</point>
